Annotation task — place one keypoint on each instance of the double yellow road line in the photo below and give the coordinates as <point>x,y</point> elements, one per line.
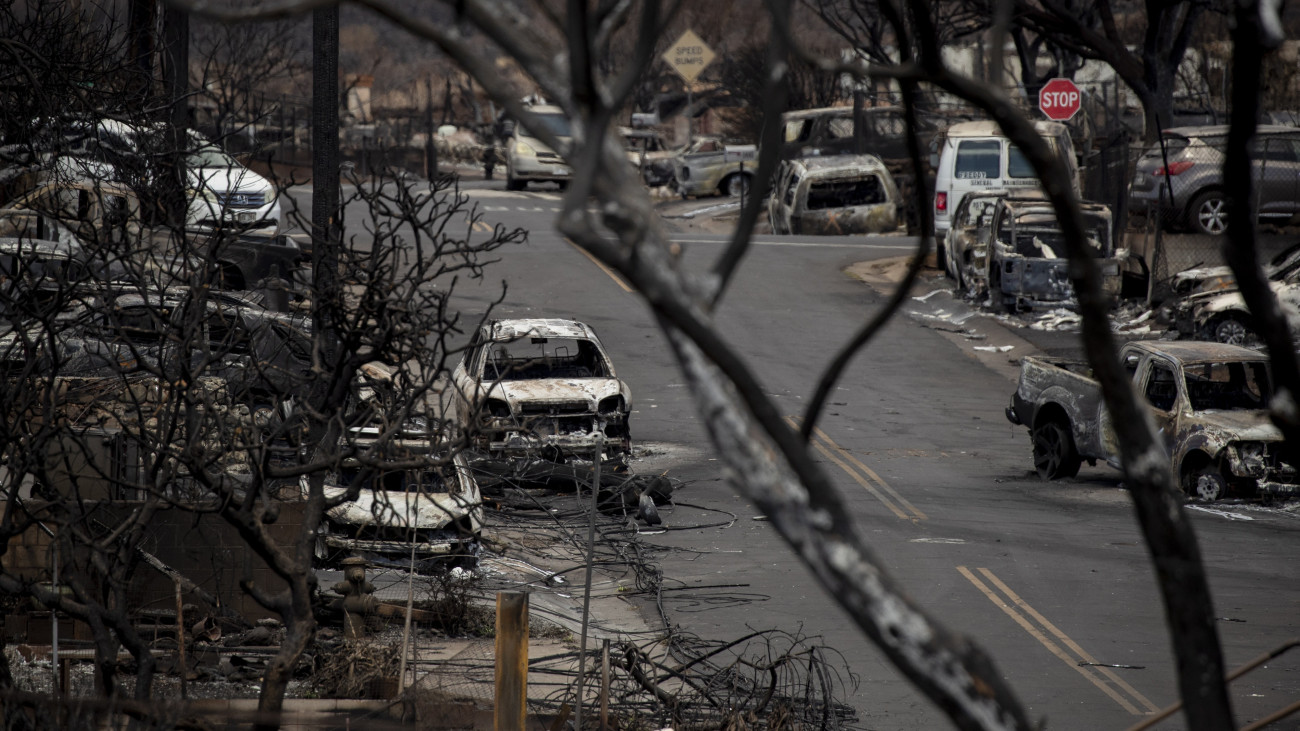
<point>862,474</point>
<point>1028,618</point>
<point>1058,643</point>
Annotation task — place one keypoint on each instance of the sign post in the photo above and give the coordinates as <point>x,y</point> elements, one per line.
<point>1059,99</point>
<point>688,56</point>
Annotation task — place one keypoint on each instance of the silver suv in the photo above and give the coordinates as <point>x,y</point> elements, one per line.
<point>1183,183</point>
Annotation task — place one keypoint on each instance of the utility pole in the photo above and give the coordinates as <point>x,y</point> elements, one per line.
<point>176,78</point>
<point>325,152</point>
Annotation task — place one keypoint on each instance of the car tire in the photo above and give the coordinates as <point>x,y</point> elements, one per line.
<point>1231,330</point>
<point>1055,456</point>
<point>941,256</point>
<point>1206,484</point>
<point>736,185</point>
<point>1208,213</point>
<point>513,183</point>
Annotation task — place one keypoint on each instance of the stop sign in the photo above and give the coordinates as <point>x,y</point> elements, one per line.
<point>1059,99</point>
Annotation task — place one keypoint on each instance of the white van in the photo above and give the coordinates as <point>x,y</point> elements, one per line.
<point>978,156</point>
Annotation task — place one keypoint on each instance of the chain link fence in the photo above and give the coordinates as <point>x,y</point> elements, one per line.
<point>1178,200</point>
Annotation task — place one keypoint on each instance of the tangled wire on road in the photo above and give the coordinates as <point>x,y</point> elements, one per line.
<point>767,679</point>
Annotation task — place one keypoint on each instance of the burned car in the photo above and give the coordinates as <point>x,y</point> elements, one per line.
<point>963,251</point>
<point>711,167</point>
<point>1211,306</point>
<point>542,387</point>
<point>1027,264</point>
<point>1210,402</point>
<point>834,195</point>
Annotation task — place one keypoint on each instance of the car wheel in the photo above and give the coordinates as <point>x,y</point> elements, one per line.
<point>1054,454</point>
<point>1209,213</point>
<point>1206,484</point>
<point>513,183</point>
<point>941,256</point>
<point>736,185</point>
<point>1231,330</point>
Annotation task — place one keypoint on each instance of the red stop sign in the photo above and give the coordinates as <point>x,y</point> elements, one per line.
<point>1059,99</point>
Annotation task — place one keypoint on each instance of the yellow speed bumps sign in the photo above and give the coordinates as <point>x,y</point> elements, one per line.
<point>689,56</point>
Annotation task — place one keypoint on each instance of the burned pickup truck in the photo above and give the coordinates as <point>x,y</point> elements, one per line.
<point>711,167</point>
<point>542,388</point>
<point>1027,264</point>
<point>1209,401</point>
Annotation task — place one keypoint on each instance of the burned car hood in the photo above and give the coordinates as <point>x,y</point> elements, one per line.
<point>1239,425</point>
<point>396,509</point>
<point>543,390</point>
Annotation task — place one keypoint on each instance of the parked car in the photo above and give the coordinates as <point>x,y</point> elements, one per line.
<point>1181,180</point>
<point>38,278</point>
<point>1213,309</point>
<point>221,193</point>
<point>108,216</point>
<point>978,156</point>
<point>253,349</point>
<point>829,131</point>
<point>528,159</point>
<point>226,195</point>
<point>1209,401</point>
<point>649,154</point>
<point>965,247</point>
<point>708,166</point>
<point>834,195</point>
<point>411,499</point>
<point>542,388</point>
<point>1027,264</point>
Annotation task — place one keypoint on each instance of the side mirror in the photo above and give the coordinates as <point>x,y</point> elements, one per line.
<point>934,160</point>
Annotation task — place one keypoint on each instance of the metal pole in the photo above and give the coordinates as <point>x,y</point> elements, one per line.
<point>54,622</point>
<point>180,639</point>
<point>586,589</point>
<point>604,683</point>
<point>512,661</point>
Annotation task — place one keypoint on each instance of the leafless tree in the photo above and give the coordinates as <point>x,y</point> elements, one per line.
<point>124,337</point>
<point>242,73</point>
<point>770,461</point>
<point>1144,46</point>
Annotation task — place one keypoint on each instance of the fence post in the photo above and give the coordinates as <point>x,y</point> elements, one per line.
<point>512,661</point>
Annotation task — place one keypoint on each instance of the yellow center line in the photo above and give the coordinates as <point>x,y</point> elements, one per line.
<point>1052,647</point>
<point>1083,655</point>
<point>841,458</point>
<point>870,473</point>
<point>612,274</point>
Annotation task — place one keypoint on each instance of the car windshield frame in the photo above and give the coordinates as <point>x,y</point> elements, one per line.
<point>1228,386</point>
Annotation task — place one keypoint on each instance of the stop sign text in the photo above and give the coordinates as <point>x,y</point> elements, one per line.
<point>1059,99</point>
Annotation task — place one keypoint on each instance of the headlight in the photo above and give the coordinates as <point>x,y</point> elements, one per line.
<point>525,149</point>
<point>611,404</point>
<point>1252,456</point>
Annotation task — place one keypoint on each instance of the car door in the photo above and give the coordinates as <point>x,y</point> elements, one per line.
<point>1275,161</point>
<point>1161,389</point>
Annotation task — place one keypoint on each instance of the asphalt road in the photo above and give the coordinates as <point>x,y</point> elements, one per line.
<point>1051,579</point>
